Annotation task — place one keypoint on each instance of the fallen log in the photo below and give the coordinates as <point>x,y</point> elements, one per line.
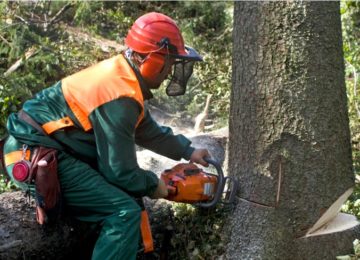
<point>22,238</point>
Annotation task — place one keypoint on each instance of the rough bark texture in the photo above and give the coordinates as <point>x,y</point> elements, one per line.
<point>289,140</point>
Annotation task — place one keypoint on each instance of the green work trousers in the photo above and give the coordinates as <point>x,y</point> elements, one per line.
<point>89,197</point>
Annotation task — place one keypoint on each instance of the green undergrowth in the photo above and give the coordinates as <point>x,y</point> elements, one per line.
<point>198,233</point>
<point>182,231</point>
<point>5,185</point>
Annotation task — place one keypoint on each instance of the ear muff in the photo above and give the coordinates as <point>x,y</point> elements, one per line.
<point>152,66</point>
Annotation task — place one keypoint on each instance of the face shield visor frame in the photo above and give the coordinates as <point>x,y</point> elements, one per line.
<point>182,70</point>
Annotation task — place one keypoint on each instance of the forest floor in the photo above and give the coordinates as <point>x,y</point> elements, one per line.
<point>82,36</point>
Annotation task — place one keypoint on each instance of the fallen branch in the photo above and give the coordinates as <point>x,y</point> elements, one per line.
<point>20,61</point>
<point>4,40</point>
<point>58,14</point>
<point>22,19</point>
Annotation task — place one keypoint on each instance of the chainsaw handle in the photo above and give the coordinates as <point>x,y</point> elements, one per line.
<point>219,187</point>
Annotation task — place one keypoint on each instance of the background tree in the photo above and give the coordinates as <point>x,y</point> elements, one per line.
<point>289,130</point>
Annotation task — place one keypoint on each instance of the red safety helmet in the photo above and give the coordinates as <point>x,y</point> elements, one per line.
<point>157,36</point>
<point>156,32</point>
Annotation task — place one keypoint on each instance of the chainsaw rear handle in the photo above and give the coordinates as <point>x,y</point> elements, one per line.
<point>219,187</point>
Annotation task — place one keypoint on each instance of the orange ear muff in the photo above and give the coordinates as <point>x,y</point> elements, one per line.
<point>152,66</point>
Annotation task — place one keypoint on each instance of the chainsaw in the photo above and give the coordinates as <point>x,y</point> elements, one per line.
<point>188,183</point>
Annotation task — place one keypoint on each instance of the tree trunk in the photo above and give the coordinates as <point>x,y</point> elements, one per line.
<point>289,138</point>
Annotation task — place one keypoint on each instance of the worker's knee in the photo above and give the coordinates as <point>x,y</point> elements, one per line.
<point>130,213</point>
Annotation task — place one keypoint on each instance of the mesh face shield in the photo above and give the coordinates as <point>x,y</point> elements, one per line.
<point>182,71</point>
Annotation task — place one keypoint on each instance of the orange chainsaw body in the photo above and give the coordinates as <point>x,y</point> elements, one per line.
<point>189,184</point>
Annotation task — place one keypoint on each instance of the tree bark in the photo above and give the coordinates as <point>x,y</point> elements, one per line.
<point>289,138</point>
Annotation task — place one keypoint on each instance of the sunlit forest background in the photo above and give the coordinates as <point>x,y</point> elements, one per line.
<point>43,41</point>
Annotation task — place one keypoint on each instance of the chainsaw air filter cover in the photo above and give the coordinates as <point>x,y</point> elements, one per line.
<point>190,184</point>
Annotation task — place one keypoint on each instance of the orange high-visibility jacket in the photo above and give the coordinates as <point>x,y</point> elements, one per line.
<point>92,87</point>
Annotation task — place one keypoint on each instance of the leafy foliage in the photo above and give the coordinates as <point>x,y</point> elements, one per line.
<point>350,11</point>
<point>27,26</point>
<point>5,184</point>
<point>38,35</point>
<point>197,233</point>
<point>50,59</point>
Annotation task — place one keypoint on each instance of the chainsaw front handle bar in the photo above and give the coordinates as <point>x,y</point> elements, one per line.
<point>219,187</point>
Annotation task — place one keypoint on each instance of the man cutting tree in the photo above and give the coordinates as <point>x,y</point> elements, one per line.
<point>78,137</point>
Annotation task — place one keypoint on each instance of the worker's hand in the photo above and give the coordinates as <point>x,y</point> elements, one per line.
<point>161,191</point>
<point>198,156</point>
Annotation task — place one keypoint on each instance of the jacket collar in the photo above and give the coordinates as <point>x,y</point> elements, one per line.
<point>144,89</point>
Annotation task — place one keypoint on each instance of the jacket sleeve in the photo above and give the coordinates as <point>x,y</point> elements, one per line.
<point>114,129</point>
<point>161,140</point>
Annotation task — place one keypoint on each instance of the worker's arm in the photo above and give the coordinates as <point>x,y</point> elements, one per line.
<point>161,140</point>
<point>114,129</point>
